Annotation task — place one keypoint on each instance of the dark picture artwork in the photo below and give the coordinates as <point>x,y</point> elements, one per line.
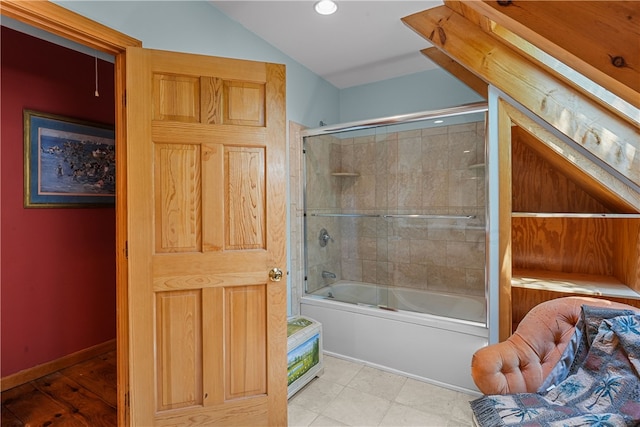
<point>68,162</point>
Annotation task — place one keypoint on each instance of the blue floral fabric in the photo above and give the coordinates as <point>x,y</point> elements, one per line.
<point>602,390</point>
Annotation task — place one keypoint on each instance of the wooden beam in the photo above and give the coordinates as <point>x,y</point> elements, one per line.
<point>461,7</point>
<point>457,70</point>
<point>600,40</point>
<point>608,92</point>
<point>609,137</point>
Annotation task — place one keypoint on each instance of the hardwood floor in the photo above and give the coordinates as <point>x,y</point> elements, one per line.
<point>81,395</point>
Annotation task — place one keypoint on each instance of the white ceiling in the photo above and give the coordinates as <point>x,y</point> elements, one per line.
<point>363,42</point>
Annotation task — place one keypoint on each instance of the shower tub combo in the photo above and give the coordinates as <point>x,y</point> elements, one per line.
<point>429,336</point>
<point>393,211</point>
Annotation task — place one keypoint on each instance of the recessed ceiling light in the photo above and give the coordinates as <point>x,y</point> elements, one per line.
<point>325,7</point>
<point>438,121</point>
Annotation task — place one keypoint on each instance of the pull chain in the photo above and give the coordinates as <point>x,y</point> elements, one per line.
<point>96,92</point>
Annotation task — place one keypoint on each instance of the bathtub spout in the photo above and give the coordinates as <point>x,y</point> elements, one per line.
<point>328,275</point>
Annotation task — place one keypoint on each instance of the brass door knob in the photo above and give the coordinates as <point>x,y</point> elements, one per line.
<point>275,274</point>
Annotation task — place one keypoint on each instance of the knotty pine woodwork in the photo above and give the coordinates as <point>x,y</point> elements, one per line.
<point>600,41</point>
<point>476,17</point>
<point>457,70</point>
<point>600,131</point>
<point>477,12</point>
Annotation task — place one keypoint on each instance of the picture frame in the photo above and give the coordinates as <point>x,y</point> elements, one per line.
<point>67,162</point>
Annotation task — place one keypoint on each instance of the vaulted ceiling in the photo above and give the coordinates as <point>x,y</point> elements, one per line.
<point>363,42</point>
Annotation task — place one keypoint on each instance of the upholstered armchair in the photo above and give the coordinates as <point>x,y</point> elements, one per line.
<point>521,363</point>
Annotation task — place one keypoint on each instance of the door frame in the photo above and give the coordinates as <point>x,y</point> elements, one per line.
<point>57,20</point>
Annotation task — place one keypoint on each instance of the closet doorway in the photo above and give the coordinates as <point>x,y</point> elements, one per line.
<point>50,18</point>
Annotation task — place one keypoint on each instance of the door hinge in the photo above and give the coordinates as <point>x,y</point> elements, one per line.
<point>126,249</point>
<point>124,98</point>
<point>126,400</point>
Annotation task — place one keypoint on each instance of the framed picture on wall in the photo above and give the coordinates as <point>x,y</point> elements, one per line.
<point>67,162</point>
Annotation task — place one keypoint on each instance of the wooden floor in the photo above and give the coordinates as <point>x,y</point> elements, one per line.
<point>81,395</point>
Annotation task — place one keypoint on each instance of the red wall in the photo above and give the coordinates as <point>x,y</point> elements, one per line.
<point>57,272</point>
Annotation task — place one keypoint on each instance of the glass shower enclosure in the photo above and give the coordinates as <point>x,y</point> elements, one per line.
<point>394,213</point>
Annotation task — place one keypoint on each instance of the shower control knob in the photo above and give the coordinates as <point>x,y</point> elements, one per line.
<point>324,237</point>
<point>275,274</point>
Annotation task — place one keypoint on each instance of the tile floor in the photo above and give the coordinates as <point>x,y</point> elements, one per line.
<point>353,394</point>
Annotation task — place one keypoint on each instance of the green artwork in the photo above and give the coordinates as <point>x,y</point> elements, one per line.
<point>303,358</point>
<point>295,325</point>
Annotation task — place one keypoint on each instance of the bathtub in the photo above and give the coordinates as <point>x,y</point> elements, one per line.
<point>462,307</point>
<point>429,336</point>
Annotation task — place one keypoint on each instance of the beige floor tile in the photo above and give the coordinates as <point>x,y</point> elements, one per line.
<point>340,371</point>
<point>323,421</point>
<point>431,399</point>
<point>316,395</point>
<point>378,383</point>
<point>460,423</point>
<point>351,394</point>
<point>356,408</point>
<point>400,416</point>
<point>299,416</point>
<point>461,414</point>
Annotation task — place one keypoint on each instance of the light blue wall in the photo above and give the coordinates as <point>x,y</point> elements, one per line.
<point>427,90</point>
<point>198,27</point>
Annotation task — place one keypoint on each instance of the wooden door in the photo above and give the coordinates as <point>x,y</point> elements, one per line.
<point>206,220</point>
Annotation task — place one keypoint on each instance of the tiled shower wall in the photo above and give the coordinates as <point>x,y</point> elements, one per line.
<point>435,171</point>
<point>323,192</point>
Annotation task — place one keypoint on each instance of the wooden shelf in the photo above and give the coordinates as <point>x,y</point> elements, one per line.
<point>574,283</point>
<point>563,219</point>
<point>345,174</point>
<point>572,215</point>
